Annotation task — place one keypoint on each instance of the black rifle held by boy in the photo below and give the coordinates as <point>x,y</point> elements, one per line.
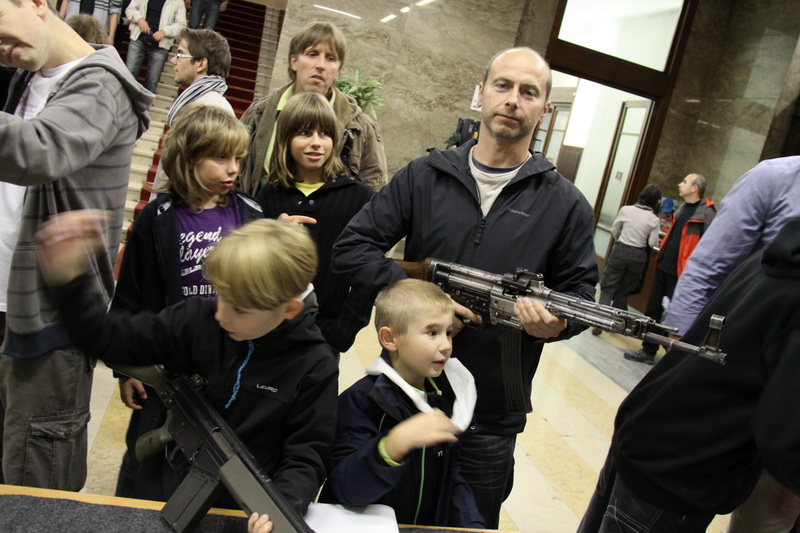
<point>217,457</point>
<point>492,296</point>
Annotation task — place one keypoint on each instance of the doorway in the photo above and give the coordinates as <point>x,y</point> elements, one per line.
<point>616,179</point>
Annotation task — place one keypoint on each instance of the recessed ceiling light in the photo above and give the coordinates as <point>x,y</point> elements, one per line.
<point>424,2</point>
<point>345,13</point>
<point>387,18</point>
<point>405,9</point>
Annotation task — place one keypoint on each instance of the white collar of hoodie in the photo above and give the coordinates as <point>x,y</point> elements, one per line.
<point>460,379</point>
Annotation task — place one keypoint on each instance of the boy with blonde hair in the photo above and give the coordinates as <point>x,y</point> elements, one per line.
<point>395,444</point>
<point>269,371</point>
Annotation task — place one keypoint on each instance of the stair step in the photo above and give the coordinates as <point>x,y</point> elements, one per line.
<point>241,83</point>
<point>158,114</point>
<point>163,102</point>
<point>241,94</point>
<point>245,72</point>
<point>142,154</point>
<point>138,174</point>
<point>239,34</point>
<point>247,55</point>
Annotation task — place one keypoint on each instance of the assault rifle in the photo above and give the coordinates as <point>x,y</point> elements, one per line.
<point>492,296</point>
<point>218,458</point>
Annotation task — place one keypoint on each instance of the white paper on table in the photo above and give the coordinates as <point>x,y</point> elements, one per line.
<point>335,518</point>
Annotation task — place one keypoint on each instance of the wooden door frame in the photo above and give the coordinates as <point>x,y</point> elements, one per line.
<point>629,77</point>
<point>601,194</point>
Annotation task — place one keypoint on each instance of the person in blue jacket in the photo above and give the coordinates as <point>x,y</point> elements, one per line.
<point>395,444</point>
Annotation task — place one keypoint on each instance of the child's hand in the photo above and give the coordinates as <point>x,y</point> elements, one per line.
<point>67,240</point>
<point>422,429</point>
<point>127,388</point>
<point>296,219</point>
<point>460,314</point>
<point>259,524</point>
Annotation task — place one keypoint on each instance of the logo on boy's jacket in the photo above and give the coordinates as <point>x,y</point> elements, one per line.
<point>266,387</point>
<point>518,212</point>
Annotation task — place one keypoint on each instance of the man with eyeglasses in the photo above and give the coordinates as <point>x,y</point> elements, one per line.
<point>201,66</point>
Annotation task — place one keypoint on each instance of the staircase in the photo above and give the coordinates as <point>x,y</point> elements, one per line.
<point>243,25</point>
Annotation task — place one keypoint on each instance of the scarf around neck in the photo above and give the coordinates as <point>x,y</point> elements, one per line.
<point>194,91</point>
<point>460,379</point>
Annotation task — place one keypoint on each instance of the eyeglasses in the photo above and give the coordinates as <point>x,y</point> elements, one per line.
<point>180,56</point>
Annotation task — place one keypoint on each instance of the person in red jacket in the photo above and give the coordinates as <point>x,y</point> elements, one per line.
<point>691,221</point>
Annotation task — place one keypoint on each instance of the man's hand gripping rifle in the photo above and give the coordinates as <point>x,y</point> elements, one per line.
<point>217,457</point>
<point>492,296</point>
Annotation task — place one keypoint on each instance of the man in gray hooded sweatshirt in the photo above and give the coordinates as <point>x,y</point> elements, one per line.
<point>67,135</point>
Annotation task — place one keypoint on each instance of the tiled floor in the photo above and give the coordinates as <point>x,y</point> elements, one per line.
<point>577,389</point>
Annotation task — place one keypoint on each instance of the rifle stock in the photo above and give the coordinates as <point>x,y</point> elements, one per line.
<point>415,269</point>
<point>218,458</point>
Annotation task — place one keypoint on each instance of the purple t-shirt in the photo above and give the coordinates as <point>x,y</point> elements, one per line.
<point>198,234</point>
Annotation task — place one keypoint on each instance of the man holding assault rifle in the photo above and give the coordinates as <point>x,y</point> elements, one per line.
<point>496,206</point>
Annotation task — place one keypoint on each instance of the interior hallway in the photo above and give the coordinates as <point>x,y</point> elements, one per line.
<point>579,384</point>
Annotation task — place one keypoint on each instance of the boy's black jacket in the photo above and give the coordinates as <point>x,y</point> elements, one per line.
<point>285,409</point>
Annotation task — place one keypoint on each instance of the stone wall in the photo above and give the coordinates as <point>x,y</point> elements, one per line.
<point>428,60</point>
<point>738,85</point>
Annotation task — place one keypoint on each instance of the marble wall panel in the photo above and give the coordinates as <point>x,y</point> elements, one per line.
<point>774,52</point>
<point>744,147</point>
<point>671,164</point>
<point>755,16</point>
<point>428,60</point>
<point>536,23</point>
<point>735,67</point>
<point>785,109</point>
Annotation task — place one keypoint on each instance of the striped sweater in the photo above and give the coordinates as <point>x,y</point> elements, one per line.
<point>76,154</point>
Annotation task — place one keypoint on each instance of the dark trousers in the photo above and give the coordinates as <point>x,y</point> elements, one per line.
<point>624,269</point>
<point>663,285</point>
<point>154,479</point>
<point>615,508</point>
<point>487,465</point>
<point>200,7</point>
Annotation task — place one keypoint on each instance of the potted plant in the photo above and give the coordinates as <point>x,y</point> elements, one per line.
<point>363,90</point>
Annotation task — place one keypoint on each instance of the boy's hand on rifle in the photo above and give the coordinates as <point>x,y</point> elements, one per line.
<point>462,313</point>
<point>66,242</point>
<point>259,524</point>
<point>422,429</point>
<point>538,321</point>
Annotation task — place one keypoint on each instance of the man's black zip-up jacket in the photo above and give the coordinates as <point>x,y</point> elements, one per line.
<point>540,222</point>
